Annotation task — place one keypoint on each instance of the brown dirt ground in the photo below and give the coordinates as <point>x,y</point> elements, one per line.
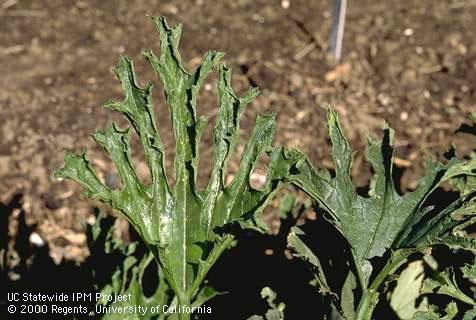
<point>412,63</point>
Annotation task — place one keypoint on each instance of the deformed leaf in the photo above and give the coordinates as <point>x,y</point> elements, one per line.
<point>182,225</point>
<point>451,312</point>
<point>303,251</point>
<point>466,183</point>
<point>384,220</point>
<point>448,226</point>
<point>445,283</point>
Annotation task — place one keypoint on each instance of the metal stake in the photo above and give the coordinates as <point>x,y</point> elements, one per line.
<point>338,21</point>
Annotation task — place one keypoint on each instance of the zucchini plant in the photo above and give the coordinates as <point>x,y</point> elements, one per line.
<point>382,225</point>
<point>182,225</point>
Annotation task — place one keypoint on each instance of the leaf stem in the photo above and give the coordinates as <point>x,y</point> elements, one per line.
<point>207,264</point>
<point>183,304</point>
<point>370,296</point>
<point>360,275</point>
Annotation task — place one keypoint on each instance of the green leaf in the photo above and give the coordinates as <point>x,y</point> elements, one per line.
<point>385,223</point>
<point>286,205</point>
<point>466,183</point>
<point>334,314</point>
<point>182,225</point>
<point>470,314</point>
<point>384,220</point>
<point>205,294</point>
<point>135,271</point>
<point>347,296</point>
<point>404,296</point>
<point>303,251</point>
<point>469,271</point>
<point>127,277</point>
<point>447,227</point>
<point>445,283</point>
<point>451,312</point>
<point>78,168</point>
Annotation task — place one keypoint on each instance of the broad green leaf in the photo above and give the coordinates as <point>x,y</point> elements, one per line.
<point>445,283</point>
<point>404,297</point>
<point>181,224</point>
<point>384,220</point>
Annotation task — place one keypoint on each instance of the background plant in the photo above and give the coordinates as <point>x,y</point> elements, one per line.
<point>382,224</point>
<point>182,225</point>
<point>275,311</point>
<point>119,268</point>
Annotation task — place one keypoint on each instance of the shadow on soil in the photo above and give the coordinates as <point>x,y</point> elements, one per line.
<point>35,271</point>
<point>242,272</point>
<point>246,269</point>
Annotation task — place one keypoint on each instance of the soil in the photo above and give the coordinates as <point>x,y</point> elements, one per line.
<point>410,63</point>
